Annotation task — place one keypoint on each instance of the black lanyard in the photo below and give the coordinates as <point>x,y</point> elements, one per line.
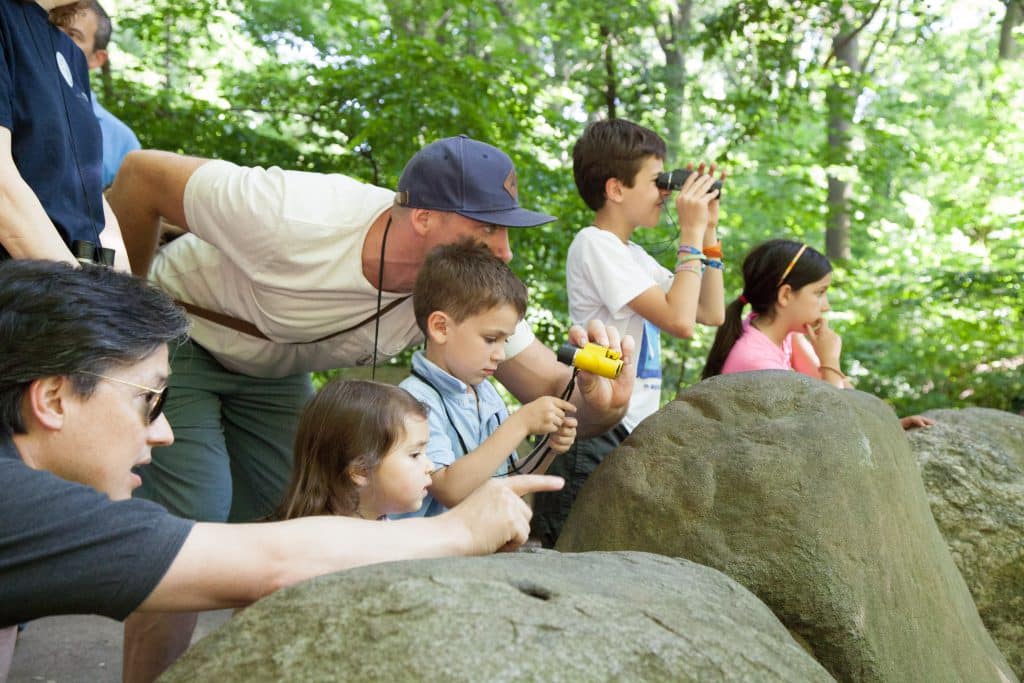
<point>462,442</point>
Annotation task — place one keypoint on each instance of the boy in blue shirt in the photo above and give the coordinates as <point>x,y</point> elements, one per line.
<point>467,303</point>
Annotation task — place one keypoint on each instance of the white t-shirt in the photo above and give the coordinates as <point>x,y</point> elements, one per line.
<point>283,251</point>
<point>602,275</point>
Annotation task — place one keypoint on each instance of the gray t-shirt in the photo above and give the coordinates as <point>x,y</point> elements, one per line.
<point>66,548</point>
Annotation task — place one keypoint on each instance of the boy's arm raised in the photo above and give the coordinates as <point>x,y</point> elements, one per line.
<point>675,311</point>
<point>711,304</point>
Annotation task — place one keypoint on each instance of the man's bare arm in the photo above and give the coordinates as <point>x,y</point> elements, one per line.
<point>226,565</point>
<point>150,185</point>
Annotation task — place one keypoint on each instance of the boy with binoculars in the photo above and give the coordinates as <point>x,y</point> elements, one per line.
<point>620,173</point>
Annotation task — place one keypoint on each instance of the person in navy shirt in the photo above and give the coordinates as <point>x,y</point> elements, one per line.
<point>50,143</point>
<point>90,29</point>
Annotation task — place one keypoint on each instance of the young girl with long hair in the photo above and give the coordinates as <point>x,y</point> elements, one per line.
<point>360,451</point>
<point>786,285</point>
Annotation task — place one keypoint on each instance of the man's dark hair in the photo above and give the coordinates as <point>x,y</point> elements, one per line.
<point>614,148</point>
<point>464,279</point>
<point>103,27</point>
<point>56,320</point>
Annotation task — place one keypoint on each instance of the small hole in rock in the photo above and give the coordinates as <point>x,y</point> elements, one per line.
<point>534,591</point>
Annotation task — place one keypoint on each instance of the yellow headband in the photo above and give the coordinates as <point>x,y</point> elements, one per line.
<point>785,273</point>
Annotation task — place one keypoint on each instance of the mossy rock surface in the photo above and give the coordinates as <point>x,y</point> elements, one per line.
<point>972,463</point>
<point>810,497</point>
<point>527,616</point>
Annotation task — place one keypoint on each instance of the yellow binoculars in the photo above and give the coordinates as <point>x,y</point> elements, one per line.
<point>594,358</point>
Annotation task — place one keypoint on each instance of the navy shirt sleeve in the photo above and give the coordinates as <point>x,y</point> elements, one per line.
<point>67,549</point>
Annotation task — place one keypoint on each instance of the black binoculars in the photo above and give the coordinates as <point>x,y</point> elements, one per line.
<point>673,180</point>
<point>87,252</point>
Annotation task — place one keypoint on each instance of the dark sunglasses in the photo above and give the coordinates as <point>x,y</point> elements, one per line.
<point>155,398</point>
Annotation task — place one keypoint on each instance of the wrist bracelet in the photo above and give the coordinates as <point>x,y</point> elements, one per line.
<point>686,258</point>
<point>688,269</point>
<point>831,369</point>
<point>687,249</point>
<point>714,251</point>
<point>693,264</point>
<point>714,263</point>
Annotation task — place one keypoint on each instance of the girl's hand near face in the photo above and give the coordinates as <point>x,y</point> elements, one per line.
<point>827,344</point>
<point>915,422</point>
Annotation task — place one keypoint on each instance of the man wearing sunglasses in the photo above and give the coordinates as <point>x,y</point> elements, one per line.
<point>83,380</point>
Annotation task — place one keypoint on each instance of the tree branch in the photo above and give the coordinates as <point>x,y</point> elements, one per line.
<point>840,43</point>
<point>871,50</point>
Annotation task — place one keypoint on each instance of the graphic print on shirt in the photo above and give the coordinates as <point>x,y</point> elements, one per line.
<point>649,360</point>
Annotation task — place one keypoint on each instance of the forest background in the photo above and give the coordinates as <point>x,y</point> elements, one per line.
<point>888,134</point>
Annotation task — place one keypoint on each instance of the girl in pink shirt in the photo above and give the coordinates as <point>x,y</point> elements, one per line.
<point>786,284</point>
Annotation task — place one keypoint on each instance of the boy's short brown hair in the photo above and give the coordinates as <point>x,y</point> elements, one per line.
<point>614,148</point>
<point>462,280</point>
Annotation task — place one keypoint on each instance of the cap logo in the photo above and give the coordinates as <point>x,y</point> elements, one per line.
<point>511,185</point>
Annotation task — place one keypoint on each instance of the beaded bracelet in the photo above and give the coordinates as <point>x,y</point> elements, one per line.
<point>688,269</point>
<point>687,249</point>
<point>686,258</point>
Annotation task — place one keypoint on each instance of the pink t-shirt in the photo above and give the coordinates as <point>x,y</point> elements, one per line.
<point>755,351</point>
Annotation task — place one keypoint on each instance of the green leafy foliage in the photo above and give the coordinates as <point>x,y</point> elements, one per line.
<point>929,305</point>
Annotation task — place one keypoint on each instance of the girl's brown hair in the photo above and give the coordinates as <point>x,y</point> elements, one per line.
<point>349,425</point>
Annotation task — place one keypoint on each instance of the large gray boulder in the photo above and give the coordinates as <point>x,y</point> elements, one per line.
<point>808,496</point>
<point>529,616</point>
<point>972,463</point>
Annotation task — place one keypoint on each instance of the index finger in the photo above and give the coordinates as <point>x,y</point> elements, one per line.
<point>529,483</point>
<point>597,332</point>
<point>565,405</point>
<point>614,338</point>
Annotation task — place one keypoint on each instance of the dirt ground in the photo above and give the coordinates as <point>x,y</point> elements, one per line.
<point>77,649</point>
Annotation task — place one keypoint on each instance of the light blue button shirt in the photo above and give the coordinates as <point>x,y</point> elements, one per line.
<point>473,417</point>
<point>118,140</point>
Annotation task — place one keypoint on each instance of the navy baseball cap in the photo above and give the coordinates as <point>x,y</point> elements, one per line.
<point>467,177</point>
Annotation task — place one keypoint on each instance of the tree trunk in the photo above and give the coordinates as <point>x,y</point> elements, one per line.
<point>168,51</point>
<point>107,82</point>
<point>611,83</point>
<point>675,44</point>
<point>841,98</point>
<point>1009,48</point>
